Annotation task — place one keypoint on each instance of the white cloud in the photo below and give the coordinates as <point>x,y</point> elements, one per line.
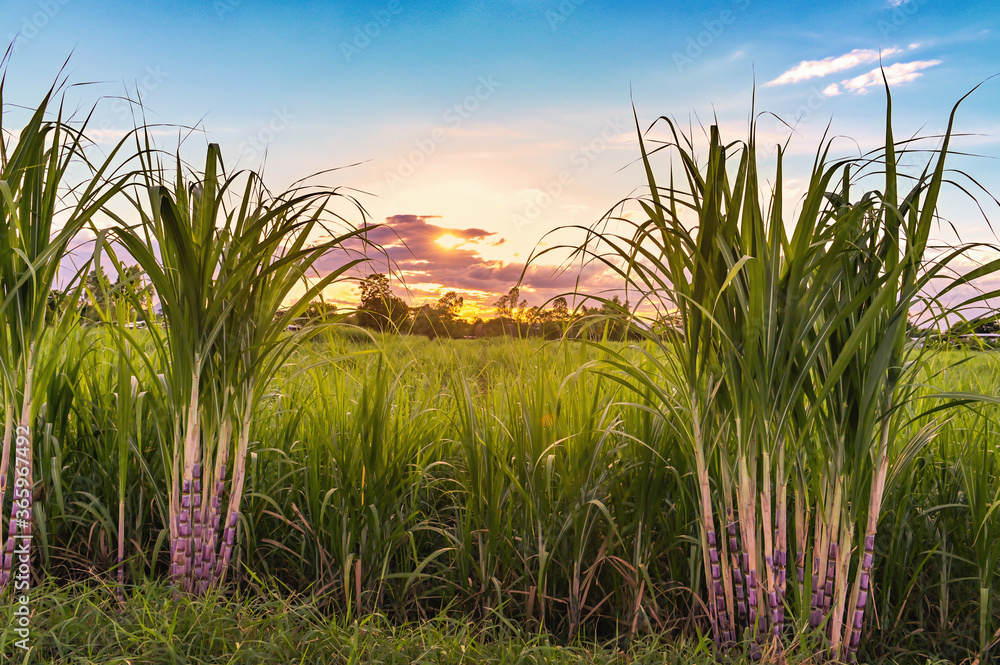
<point>808,69</point>
<point>898,74</point>
<point>831,90</point>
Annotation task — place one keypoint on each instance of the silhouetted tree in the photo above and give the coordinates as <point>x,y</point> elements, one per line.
<point>379,308</point>
<point>126,295</point>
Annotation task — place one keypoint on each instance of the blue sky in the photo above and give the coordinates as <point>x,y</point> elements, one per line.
<point>506,120</point>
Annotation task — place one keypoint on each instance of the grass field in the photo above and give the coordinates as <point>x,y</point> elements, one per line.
<point>771,469</point>
<point>508,490</point>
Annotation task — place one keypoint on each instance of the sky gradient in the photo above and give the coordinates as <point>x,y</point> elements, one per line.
<point>475,129</point>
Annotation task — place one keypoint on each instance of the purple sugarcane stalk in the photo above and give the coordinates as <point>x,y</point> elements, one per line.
<point>729,633</point>
<point>8,555</point>
<point>213,511</point>
<point>816,602</point>
<point>736,598</point>
<point>781,547</point>
<point>748,532</point>
<point>831,574</point>
<point>196,572</point>
<point>770,573</point>
<point>705,496</point>
<point>801,520</point>
<point>211,505</point>
<point>182,544</point>
<point>843,567</point>
<point>718,596</point>
<point>856,621</point>
<point>4,467</point>
<point>21,505</point>
<point>22,496</point>
<point>235,496</point>
<point>739,580</point>
<point>183,548</point>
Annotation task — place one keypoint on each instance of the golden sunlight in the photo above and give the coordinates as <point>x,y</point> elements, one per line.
<point>449,241</point>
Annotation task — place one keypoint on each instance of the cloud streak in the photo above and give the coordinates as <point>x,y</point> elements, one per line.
<point>898,74</point>
<point>808,69</point>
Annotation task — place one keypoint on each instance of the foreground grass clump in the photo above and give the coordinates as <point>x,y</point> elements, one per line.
<point>221,272</point>
<point>787,374</point>
<point>82,623</point>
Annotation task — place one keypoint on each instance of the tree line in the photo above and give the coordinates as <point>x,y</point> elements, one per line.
<point>113,300</point>
<point>380,309</point>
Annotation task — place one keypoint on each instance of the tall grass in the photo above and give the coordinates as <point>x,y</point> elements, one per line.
<point>788,367</point>
<point>40,213</point>
<point>222,258</point>
<point>457,534</point>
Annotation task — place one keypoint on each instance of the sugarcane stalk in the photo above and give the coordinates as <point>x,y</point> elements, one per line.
<point>862,586</point>
<point>781,538</point>
<point>748,529</point>
<point>22,500</point>
<point>767,529</point>
<point>729,630</point>
<point>175,498</point>
<point>235,492</point>
<point>831,575</point>
<point>736,586</point>
<point>710,557</point>
<point>801,540</point>
<point>183,546</point>
<point>196,571</point>
<point>5,563</point>
<point>827,562</point>
<point>818,572</point>
<point>213,494</point>
<point>843,568</point>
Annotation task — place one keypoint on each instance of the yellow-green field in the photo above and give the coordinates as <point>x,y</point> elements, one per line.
<point>500,482</point>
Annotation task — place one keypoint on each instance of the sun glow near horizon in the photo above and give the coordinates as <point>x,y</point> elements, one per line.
<point>449,241</point>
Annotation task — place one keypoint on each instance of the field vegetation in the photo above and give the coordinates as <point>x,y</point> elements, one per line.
<point>753,460</point>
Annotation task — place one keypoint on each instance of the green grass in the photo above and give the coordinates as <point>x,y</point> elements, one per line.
<point>469,481</point>
<point>82,623</point>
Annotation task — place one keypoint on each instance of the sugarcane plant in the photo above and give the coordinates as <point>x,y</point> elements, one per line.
<point>40,214</point>
<point>784,365</point>
<point>223,256</point>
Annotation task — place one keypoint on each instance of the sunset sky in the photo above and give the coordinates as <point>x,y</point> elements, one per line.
<point>475,129</point>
